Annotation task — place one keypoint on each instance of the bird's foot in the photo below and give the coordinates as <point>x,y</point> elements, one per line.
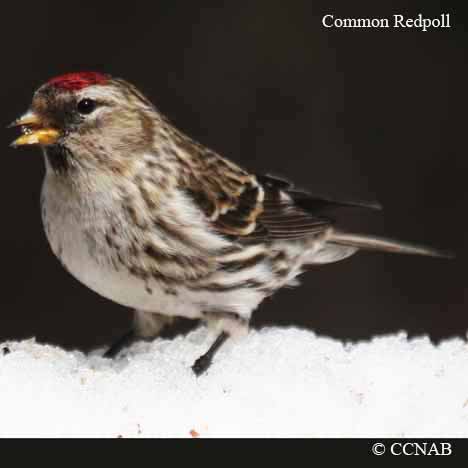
<point>124,341</point>
<point>202,364</point>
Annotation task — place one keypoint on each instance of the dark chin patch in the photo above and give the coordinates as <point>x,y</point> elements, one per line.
<point>59,158</point>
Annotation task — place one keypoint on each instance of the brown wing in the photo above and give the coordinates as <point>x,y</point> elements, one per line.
<point>282,218</point>
<point>292,214</point>
<point>231,198</point>
<point>250,207</point>
<point>269,208</point>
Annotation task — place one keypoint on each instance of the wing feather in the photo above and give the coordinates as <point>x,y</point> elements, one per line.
<point>254,208</point>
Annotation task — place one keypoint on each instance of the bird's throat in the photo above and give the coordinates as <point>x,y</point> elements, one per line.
<point>59,158</point>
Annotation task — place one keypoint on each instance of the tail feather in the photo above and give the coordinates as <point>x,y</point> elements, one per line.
<point>383,244</point>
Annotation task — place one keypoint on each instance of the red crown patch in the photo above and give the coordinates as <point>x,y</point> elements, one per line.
<point>77,81</point>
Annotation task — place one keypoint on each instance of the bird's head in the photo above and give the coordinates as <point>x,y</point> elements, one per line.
<point>88,120</point>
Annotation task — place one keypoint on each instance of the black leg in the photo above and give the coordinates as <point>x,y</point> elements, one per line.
<point>122,342</point>
<point>204,361</point>
<point>152,326</point>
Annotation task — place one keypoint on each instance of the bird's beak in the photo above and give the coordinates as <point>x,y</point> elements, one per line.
<point>34,131</point>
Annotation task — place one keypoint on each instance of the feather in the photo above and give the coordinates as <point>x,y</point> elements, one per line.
<point>384,244</point>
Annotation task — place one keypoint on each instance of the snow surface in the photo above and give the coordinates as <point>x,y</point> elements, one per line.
<point>274,382</point>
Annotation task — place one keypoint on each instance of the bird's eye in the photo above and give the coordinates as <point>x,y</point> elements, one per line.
<point>86,106</point>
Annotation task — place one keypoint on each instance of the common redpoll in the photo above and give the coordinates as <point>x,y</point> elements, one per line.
<point>147,217</point>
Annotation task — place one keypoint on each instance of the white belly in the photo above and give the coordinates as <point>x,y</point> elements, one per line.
<point>66,229</point>
<point>119,285</point>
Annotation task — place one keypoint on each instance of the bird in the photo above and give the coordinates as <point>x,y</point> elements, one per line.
<point>149,218</point>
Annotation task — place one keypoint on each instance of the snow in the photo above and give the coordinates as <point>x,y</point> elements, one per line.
<point>275,382</point>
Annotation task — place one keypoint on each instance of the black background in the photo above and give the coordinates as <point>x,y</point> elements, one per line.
<point>366,114</point>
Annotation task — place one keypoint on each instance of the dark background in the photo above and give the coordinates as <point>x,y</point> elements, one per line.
<point>366,114</point>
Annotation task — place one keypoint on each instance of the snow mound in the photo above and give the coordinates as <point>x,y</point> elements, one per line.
<point>274,382</point>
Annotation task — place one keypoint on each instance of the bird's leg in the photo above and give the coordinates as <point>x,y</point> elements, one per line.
<point>125,340</point>
<point>204,361</point>
<point>146,326</point>
<point>231,324</point>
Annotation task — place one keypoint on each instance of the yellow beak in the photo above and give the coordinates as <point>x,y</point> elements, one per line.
<point>34,131</point>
